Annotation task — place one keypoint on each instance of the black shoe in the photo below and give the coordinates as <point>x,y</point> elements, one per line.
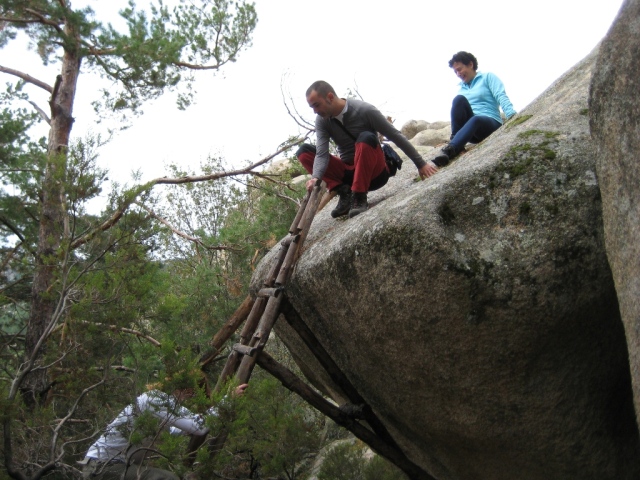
<point>359,205</point>
<point>344,202</point>
<point>448,153</point>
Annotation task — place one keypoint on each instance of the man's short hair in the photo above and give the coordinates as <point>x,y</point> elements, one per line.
<point>322,88</point>
<point>464,57</point>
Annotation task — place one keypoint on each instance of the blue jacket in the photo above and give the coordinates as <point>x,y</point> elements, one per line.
<point>485,93</point>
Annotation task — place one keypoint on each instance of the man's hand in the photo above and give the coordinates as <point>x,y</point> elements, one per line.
<point>311,183</point>
<point>239,391</point>
<point>428,170</point>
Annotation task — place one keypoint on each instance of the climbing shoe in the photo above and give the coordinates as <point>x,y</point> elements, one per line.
<point>344,201</point>
<point>448,153</point>
<point>359,205</point>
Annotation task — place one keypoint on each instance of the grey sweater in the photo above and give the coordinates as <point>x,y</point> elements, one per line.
<point>359,117</point>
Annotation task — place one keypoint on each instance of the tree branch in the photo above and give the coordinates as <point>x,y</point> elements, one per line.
<point>195,240</point>
<point>41,112</point>
<point>129,331</point>
<point>12,227</point>
<point>117,215</point>
<point>215,176</point>
<point>45,21</point>
<point>279,195</point>
<point>70,413</point>
<point>27,78</point>
<point>299,119</point>
<point>192,66</point>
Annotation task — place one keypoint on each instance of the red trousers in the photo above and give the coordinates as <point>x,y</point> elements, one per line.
<point>368,172</point>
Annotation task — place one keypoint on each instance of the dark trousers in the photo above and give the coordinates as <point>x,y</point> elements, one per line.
<point>369,171</point>
<point>467,127</point>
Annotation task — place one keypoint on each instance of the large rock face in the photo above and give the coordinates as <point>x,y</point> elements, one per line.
<point>476,312</point>
<point>615,124</point>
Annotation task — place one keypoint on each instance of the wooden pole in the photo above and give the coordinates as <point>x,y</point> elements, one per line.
<point>227,330</point>
<point>390,452</point>
<point>310,340</point>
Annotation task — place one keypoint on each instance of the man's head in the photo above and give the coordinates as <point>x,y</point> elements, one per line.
<point>464,65</point>
<point>322,98</point>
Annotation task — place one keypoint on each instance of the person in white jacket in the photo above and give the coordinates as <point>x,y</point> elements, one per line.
<point>110,457</point>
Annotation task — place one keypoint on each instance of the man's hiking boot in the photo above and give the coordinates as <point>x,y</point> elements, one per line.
<point>360,204</point>
<point>344,202</point>
<point>448,153</point>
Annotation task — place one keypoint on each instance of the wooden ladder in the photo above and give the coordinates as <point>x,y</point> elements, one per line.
<point>261,315</point>
<point>266,308</point>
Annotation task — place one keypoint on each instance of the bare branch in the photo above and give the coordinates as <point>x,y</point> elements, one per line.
<point>117,215</point>
<point>215,176</point>
<point>27,78</point>
<point>299,119</point>
<point>41,112</point>
<point>279,195</point>
<point>195,240</point>
<point>129,331</point>
<point>72,410</point>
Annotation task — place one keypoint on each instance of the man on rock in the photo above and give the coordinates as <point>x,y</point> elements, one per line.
<point>353,125</point>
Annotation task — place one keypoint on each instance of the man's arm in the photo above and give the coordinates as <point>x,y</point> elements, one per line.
<point>321,162</point>
<point>386,128</point>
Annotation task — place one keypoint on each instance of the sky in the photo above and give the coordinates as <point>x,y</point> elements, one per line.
<point>395,54</point>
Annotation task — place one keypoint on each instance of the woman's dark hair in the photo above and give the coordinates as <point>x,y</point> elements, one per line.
<point>464,57</point>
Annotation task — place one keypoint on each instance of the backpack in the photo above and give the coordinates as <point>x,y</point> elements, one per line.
<point>394,162</point>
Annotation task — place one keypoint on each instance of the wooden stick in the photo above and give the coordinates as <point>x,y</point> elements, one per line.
<point>289,262</point>
<point>269,317</point>
<point>227,330</point>
<point>270,279</point>
<point>311,341</point>
<point>294,225</point>
<point>310,213</point>
<point>293,383</point>
<point>326,199</point>
<point>252,320</point>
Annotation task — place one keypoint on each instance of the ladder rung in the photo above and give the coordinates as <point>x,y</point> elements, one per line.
<point>270,292</point>
<point>244,349</point>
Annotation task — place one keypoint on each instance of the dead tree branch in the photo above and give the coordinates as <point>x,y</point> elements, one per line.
<point>250,170</point>
<point>131,197</point>
<point>27,78</point>
<point>295,115</point>
<point>184,235</point>
<point>129,331</point>
<point>41,112</point>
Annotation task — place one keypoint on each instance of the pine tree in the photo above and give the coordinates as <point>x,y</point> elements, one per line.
<point>49,242</point>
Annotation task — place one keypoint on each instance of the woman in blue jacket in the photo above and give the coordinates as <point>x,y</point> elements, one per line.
<point>475,112</point>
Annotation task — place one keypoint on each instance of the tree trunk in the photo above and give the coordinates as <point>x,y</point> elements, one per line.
<point>45,296</point>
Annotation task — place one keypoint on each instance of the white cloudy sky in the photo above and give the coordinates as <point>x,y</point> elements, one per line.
<point>394,52</point>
